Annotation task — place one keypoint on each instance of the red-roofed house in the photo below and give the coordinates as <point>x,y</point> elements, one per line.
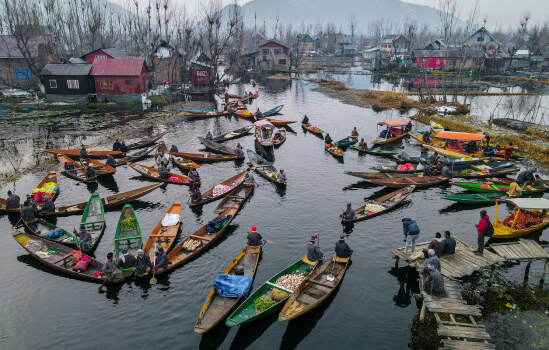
<point>119,80</point>
<point>104,53</point>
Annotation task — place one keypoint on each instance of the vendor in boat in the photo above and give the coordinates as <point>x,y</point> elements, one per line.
<point>13,201</point>
<point>28,213</point>
<point>238,152</point>
<point>110,269</point>
<point>90,173</point>
<point>278,135</point>
<point>362,144</point>
<point>162,158</point>
<point>193,175</point>
<point>514,190</point>
<point>349,213</point>
<point>258,115</point>
<point>249,177</point>
<point>110,161</point>
<point>49,206</point>
<point>427,137</point>
<point>436,244</point>
<point>539,184</point>
<point>526,177</point>
<point>174,149</point>
<point>489,151</point>
<point>85,239</point>
<point>328,140</point>
<point>342,249</point>
<point>254,238</point>
<point>281,176</point>
<point>313,250</point>
<point>127,260</point>
<point>469,147</point>
<point>161,262</point>
<point>354,133</point>
<point>408,127</point>
<point>433,260</point>
<point>209,136</point>
<point>31,201</point>
<point>196,196</point>
<point>305,119</point>
<point>446,173</point>
<point>383,134</point>
<point>143,263</point>
<point>433,160</point>
<point>123,147</point>
<point>403,155</point>
<point>163,171</point>
<point>83,153</point>
<point>427,169</point>
<point>434,283</point>
<point>116,145</point>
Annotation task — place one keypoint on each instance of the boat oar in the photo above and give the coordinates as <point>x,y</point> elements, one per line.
<point>15,226</point>
<point>154,280</point>
<point>76,238</point>
<point>100,289</point>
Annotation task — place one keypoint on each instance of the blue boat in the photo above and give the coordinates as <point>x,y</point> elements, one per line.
<point>196,111</point>
<point>273,111</point>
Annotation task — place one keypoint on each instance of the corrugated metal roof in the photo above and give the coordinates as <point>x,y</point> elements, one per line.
<point>118,67</point>
<point>66,69</point>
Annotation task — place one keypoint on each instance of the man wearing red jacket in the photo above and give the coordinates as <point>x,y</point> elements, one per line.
<point>482,226</point>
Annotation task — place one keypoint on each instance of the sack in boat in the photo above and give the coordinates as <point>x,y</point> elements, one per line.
<point>279,295</point>
<point>170,220</point>
<point>76,256</point>
<point>38,196</point>
<point>54,234</point>
<point>409,166</point>
<point>82,264</point>
<point>402,167</point>
<point>35,245</point>
<point>175,179</point>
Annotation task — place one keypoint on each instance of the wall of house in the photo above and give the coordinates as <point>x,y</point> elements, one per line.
<point>387,47</point>
<point>97,54</point>
<point>273,57</point>
<point>166,69</point>
<point>306,46</point>
<point>15,72</point>
<point>118,85</point>
<point>68,84</point>
<point>429,62</point>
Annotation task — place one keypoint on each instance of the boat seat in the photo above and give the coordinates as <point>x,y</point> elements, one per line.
<point>200,237</point>
<point>309,262</point>
<point>62,259</point>
<point>340,260</point>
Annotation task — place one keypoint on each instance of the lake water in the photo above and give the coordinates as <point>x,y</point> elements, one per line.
<point>372,309</point>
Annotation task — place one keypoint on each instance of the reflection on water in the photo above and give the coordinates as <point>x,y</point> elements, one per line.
<point>407,285</point>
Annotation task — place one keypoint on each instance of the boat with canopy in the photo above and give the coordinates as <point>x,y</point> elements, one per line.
<point>395,131</point>
<point>530,215</point>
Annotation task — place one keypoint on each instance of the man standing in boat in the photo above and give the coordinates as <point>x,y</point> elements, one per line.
<point>83,153</point>
<point>342,249</point>
<point>254,238</point>
<point>90,173</point>
<point>313,250</point>
<point>354,133</point>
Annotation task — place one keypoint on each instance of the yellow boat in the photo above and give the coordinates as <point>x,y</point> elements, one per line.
<point>538,206</point>
<point>392,126</point>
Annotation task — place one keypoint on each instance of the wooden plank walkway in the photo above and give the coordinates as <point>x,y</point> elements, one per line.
<point>524,249</point>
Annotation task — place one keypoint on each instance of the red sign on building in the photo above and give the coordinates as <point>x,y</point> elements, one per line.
<point>200,76</point>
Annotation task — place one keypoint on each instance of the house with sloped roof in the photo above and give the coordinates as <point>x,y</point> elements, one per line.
<point>119,80</point>
<point>484,40</point>
<point>394,44</point>
<point>306,43</point>
<point>273,56</point>
<point>69,83</point>
<point>104,53</point>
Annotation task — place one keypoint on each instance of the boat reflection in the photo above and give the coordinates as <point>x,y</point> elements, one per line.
<point>407,285</point>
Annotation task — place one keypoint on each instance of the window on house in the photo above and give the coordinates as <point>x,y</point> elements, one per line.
<point>73,84</point>
<point>282,61</point>
<point>104,57</point>
<point>438,61</point>
<point>423,61</point>
<point>129,82</point>
<point>480,38</point>
<point>277,51</point>
<point>53,83</point>
<point>105,84</point>
<point>266,52</point>
<point>23,73</point>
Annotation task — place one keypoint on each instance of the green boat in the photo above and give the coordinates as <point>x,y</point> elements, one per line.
<point>476,198</point>
<point>346,142</point>
<point>128,235</point>
<point>375,151</point>
<point>43,229</point>
<point>491,188</point>
<point>247,313</point>
<point>93,219</point>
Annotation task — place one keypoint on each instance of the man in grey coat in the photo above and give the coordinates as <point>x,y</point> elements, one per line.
<point>433,260</point>
<point>313,250</point>
<point>434,283</point>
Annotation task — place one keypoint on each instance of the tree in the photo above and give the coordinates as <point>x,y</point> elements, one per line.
<point>352,25</point>
<point>448,17</point>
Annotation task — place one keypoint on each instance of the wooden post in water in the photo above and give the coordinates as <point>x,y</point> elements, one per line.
<point>422,312</point>
<point>492,273</point>
<point>527,272</point>
<point>542,281</point>
<point>397,259</point>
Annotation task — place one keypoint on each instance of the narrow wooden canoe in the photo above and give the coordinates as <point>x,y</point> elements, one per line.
<point>180,255</point>
<point>146,142</point>
<point>242,113</point>
<point>74,153</point>
<point>238,196</point>
<point>93,219</point>
<point>62,260</point>
<point>509,181</point>
<point>392,170</point>
<point>316,289</point>
<point>216,307</point>
<point>493,173</point>
<point>246,311</point>
<point>216,147</point>
<point>263,167</point>
<point>273,111</point>
<point>135,156</point>
<point>100,168</point>
<point>467,160</point>
<point>369,175</point>
<point>308,127</point>
<point>183,164</point>
<point>346,142</point>
<point>207,114</point>
<point>149,172</point>
<point>277,122</point>
<point>51,177</point>
<point>129,239</point>
<point>493,165</point>
<point>389,201</point>
<point>282,139</point>
<point>492,188</point>
<point>198,111</point>
<point>376,151</point>
<point>108,202</point>
<point>74,170</point>
<point>336,153</point>
<point>389,140</point>
<point>42,228</point>
<point>503,231</point>
<point>233,134</point>
<point>399,182</point>
<point>209,196</point>
<point>163,236</point>
<point>206,158</point>
<point>485,198</point>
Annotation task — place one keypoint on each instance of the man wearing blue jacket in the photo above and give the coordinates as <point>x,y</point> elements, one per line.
<point>411,232</point>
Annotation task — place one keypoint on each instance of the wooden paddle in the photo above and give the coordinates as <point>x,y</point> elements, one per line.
<point>76,238</point>
<point>154,280</point>
<point>100,289</point>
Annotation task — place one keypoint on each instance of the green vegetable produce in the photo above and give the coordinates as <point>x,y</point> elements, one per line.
<point>465,172</point>
<point>262,304</point>
<point>128,224</point>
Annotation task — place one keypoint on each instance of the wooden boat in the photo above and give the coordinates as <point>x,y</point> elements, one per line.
<point>62,260</point>
<point>233,134</point>
<point>51,177</point>
<point>395,127</point>
<point>337,152</point>
<point>453,160</point>
<point>146,142</point>
<point>399,182</point>
<point>207,115</point>
<point>278,122</point>
<point>435,127</point>
<point>392,170</point>
<point>376,151</point>
<point>389,201</point>
<point>246,311</point>
<point>509,181</point>
<point>108,202</point>
<point>184,164</point>
<point>263,167</point>
<point>216,307</point>
<point>278,141</point>
<point>242,113</point>
<point>205,158</point>
<point>316,289</point>
<point>493,165</point>
<point>180,255</point>
<point>163,236</point>
<point>238,196</point>
<point>369,175</point>
<point>216,147</point>
<point>264,133</point>
<point>129,239</point>
<point>346,142</point>
<point>314,131</point>
<point>42,228</point>
<point>475,198</point>
<point>491,188</point>
<point>74,153</point>
<point>208,196</point>
<point>198,111</point>
<point>273,111</point>
<point>493,173</point>
<point>93,219</point>
<point>150,172</point>
<point>74,170</point>
<point>135,156</point>
<point>100,168</point>
<point>532,206</point>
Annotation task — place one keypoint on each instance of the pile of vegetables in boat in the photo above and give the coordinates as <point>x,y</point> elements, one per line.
<point>315,128</point>
<point>290,281</point>
<point>220,189</point>
<point>470,172</point>
<point>525,219</point>
<point>372,208</point>
<point>191,244</point>
<point>262,304</point>
<point>128,224</point>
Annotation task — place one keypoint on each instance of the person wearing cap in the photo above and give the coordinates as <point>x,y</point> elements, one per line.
<point>193,176</point>
<point>209,136</point>
<point>31,201</point>
<point>127,260</point>
<point>305,119</point>
<point>85,238</point>
<point>434,283</point>
<point>28,213</point>
<point>174,149</point>
<point>349,213</point>
<point>342,249</point>
<point>143,263</point>
<point>446,173</point>
<point>161,262</point>
<point>281,176</point>
<point>433,260</point>
<point>526,176</point>
<point>110,161</point>
<point>449,243</point>
<point>83,153</point>
<point>254,238</point>
<point>13,201</point>
<point>249,177</point>
<point>436,244</point>
<point>482,227</point>
<point>90,173</point>
<point>313,250</point>
<point>116,145</point>
<point>49,206</point>
<point>403,155</point>
<point>123,147</point>
<point>110,269</point>
<point>354,133</point>
<point>433,160</point>
<point>539,184</point>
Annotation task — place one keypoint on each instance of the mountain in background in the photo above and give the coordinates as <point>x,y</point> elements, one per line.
<point>311,12</point>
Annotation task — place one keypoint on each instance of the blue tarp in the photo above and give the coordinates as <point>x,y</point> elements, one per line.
<point>210,227</point>
<point>54,234</point>
<point>233,286</point>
